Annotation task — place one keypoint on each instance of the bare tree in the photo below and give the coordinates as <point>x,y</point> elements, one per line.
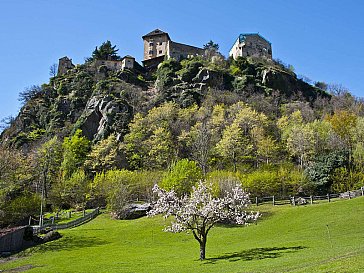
<point>53,69</point>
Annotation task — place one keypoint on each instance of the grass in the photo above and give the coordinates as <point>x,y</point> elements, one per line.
<point>314,238</point>
<point>63,216</point>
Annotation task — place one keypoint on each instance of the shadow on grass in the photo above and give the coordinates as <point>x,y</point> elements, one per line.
<point>66,243</point>
<point>255,254</point>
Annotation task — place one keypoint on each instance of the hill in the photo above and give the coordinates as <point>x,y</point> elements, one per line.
<point>324,237</point>
<point>102,101</point>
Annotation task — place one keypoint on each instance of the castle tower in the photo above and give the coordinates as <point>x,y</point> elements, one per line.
<point>155,44</point>
<point>64,65</point>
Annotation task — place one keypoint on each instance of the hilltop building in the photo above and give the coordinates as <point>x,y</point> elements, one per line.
<point>64,64</point>
<point>251,45</point>
<point>126,62</point>
<point>158,46</point>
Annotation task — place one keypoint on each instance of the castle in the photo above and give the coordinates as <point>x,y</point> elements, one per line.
<point>158,46</point>
<point>252,44</point>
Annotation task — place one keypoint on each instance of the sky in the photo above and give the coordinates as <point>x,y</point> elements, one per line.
<point>323,39</point>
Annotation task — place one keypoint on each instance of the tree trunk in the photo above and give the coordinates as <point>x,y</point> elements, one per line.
<point>202,250</point>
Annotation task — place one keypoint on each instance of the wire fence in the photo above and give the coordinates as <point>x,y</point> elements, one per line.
<point>302,200</point>
<point>79,221</point>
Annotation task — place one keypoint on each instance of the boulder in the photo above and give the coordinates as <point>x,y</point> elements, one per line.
<point>99,116</point>
<point>133,211</point>
<point>51,236</point>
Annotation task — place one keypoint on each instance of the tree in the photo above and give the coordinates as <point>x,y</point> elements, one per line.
<point>200,211</point>
<point>182,177</point>
<point>53,69</point>
<point>75,152</point>
<point>104,155</point>
<point>211,46</point>
<point>233,144</point>
<point>105,52</point>
<point>30,93</point>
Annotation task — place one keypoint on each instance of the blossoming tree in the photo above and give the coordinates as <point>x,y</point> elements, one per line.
<point>200,211</point>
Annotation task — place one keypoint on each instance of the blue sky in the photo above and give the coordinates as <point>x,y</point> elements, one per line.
<point>323,39</point>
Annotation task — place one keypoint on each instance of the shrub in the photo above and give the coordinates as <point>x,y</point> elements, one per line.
<point>182,177</point>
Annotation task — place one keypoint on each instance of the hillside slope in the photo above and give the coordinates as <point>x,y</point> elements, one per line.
<point>101,101</point>
<point>315,238</point>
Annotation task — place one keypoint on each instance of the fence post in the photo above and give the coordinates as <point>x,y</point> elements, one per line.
<point>349,194</point>
<point>274,201</point>
<point>256,201</point>
<point>328,197</point>
<point>311,199</point>
<point>84,212</point>
<point>293,201</point>
<point>30,221</point>
<point>362,191</point>
<point>69,214</point>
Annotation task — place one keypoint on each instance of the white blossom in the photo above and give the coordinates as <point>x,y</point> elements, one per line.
<point>200,211</point>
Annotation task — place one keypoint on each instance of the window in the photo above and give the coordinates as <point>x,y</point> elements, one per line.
<point>150,52</point>
<point>160,51</point>
<point>160,43</point>
<point>151,43</point>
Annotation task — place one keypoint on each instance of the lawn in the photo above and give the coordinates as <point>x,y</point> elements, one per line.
<point>314,238</point>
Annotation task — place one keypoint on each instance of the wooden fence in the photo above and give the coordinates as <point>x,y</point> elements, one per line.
<point>300,200</point>
<point>71,224</point>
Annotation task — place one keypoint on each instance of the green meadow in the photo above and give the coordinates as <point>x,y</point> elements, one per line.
<point>326,237</point>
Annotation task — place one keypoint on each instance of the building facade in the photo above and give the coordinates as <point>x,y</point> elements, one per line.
<point>115,65</point>
<point>158,46</point>
<point>251,45</point>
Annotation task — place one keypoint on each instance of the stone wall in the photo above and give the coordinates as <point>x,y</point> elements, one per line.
<point>64,65</point>
<point>181,51</point>
<point>13,240</point>
<point>112,65</point>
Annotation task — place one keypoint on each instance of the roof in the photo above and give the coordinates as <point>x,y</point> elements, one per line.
<point>195,47</point>
<point>155,33</point>
<point>244,35</point>
<point>127,57</point>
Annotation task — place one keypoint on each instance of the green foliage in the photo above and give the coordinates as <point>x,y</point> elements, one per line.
<point>320,171</point>
<point>211,46</point>
<point>223,181</point>
<point>75,152</point>
<point>166,73</point>
<point>105,52</point>
<point>118,187</point>
<point>19,208</point>
<point>104,155</point>
<point>76,189</point>
<point>182,177</point>
<point>190,68</point>
<point>282,181</point>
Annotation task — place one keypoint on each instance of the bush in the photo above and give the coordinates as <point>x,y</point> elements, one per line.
<point>223,181</point>
<point>182,177</point>
<point>119,187</point>
<point>281,182</point>
<point>19,209</point>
